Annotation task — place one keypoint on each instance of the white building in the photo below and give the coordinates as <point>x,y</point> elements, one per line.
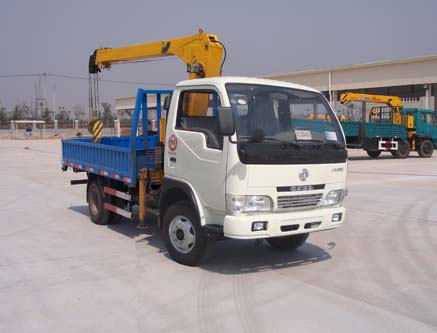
<point>414,80</point>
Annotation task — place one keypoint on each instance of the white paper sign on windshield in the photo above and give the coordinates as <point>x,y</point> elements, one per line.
<point>331,136</point>
<point>303,135</point>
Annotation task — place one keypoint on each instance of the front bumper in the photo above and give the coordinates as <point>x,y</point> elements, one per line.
<point>282,224</point>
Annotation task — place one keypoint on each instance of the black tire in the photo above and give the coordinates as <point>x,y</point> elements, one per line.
<point>426,148</point>
<point>183,236</point>
<point>96,201</point>
<point>403,149</point>
<point>288,243</point>
<point>373,153</point>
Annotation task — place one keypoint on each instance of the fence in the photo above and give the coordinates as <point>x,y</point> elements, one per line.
<point>14,128</point>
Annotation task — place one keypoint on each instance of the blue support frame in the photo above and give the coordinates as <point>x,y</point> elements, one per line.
<point>141,107</point>
<point>118,157</point>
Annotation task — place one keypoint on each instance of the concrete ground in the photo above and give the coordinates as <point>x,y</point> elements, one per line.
<point>61,273</point>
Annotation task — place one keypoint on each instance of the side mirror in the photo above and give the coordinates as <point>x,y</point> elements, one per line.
<point>167,100</point>
<point>226,121</point>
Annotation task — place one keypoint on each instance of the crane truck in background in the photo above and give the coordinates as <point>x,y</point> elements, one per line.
<point>233,157</point>
<point>390,128</point>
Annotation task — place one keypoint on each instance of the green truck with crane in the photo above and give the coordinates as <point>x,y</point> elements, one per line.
<point>392,127</point>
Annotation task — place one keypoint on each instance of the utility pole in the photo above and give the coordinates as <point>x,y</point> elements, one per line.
<point>54,102</point>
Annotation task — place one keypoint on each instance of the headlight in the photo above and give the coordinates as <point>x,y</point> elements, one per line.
<point>335,197</point>
<point>238,204</point>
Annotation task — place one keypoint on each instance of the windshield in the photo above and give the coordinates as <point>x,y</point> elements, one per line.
<point>284,125</point>
<point>283,114</point>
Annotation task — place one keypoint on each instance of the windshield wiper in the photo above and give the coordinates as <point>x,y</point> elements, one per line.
<point>314,140</point>
<point>271,139</point>
<point>336,145</point>
<point>315,143</point>
<point>290,143</point>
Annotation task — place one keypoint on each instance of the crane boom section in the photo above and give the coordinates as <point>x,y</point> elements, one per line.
<point>202,53</point>
<point>389,100</point>
<point>394,102</point>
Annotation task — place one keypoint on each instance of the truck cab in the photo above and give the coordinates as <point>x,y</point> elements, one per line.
<point>422,130</point>
<point>262,159</point>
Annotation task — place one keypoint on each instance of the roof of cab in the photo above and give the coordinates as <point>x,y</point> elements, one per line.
<point>221,81</point>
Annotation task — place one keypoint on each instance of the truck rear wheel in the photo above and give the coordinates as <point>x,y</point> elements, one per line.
<point>184,238</point>
<point>96,204</point>
<point>373,153</point>
<point>426,148</point>
<point>403,149</point>
<point>289,243</point>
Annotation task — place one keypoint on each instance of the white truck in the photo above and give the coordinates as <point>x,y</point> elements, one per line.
<point>259,167</point>
<point>255,159</point>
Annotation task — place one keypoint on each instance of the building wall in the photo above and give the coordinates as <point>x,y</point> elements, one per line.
<point>404,78</point>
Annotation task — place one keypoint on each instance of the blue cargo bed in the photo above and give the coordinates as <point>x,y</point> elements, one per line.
<point>119,158</point>
<point>112,157</point>
<point>383,130</point>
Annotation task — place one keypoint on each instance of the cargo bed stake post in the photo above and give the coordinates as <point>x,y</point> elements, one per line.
<point>142,197</point>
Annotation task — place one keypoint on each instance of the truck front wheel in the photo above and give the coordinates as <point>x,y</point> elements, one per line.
<point>426,148</point>
<point>289,243</point>
<point>184,238</point>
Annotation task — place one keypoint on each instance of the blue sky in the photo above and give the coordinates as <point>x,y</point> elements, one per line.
<point>261,37</point>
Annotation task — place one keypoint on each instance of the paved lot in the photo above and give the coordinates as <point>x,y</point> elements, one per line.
<point>61,273</point>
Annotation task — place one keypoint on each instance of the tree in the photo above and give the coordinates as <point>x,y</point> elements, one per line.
<point>3,114</point>
<point>19,111</point>
<point>63,116</point>
<point>46,115</point>
<point>107,117</point>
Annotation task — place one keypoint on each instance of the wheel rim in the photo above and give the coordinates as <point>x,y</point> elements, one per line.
<point>403,149</point>
<point>427,148</point>
<point>182,234</point>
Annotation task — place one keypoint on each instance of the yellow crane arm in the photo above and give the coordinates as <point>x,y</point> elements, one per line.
<point>393,101</point>
<point>202,53</point>
<point>389,100</point>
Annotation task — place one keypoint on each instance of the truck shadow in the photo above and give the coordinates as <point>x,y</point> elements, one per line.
<point>126,227</point>
<point>228,257</point>
<point>232,257</point>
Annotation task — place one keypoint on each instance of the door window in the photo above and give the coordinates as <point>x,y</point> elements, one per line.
<point>197,112</point>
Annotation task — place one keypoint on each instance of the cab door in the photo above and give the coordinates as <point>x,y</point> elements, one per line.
<point>427,125</point>
<point>195,151</point>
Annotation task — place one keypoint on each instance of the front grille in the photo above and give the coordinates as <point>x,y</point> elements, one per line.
<point>300,188</point>
<point>299,201</point>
